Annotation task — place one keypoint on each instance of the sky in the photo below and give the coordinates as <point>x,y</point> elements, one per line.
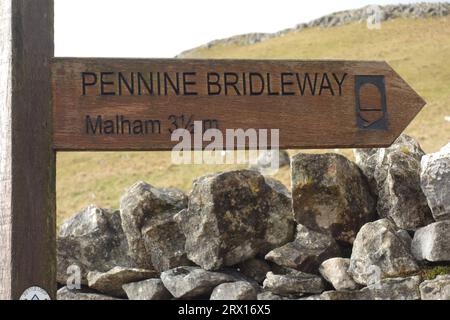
<point>164,28</point>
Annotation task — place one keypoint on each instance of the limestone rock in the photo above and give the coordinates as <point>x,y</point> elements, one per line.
<point>436,289</point>
<point>140,203</point>
<point>233,216</point>
<point>255,269</point>
<point>306,252</point>
<point>293,283</point>
<point>93,239</point>
<point>369,159</point>
<point>335,271</point>
<point>191,282</point>
<point>165,242</point>
<point>432,242</point>
<point>111,282</point>
<point>365,14</point>
<point>435,182</point>
<point>239,290</point>
<point>65,294</point>
<point>394,176</point>
<point>394,289</point>
<point>400,196</point>
<point>330,194</point>
<point>150,289</point>
<point>379,252</point>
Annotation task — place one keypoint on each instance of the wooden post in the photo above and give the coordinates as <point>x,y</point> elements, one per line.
<point>27,161</point>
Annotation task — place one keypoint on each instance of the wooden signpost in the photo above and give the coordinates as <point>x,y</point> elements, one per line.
<point>129,104</point>
<point>56,104</point>
<point>27,160</point>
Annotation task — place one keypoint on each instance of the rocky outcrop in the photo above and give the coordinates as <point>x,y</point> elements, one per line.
<point>141,203</point>
<point>330,195</point>
<point>394,174</point>
<point>191,282</point>
<point>432,242</point>
<point>233,216</point>
<point>93,240</point>
<point>434,180</point>
<point>306,252</point>
<point>362,15</point>
<point>378,252</point>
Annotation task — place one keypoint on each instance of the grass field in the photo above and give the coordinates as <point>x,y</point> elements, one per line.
<point>419,50</point>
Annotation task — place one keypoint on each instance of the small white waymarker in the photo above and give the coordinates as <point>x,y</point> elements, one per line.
<point>35,293</point>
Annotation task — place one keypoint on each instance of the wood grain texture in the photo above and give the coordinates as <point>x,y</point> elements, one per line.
<point>27,161</point>
<point>305,120</point>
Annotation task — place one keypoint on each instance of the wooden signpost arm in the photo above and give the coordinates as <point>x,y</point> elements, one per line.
<point>27,161</point>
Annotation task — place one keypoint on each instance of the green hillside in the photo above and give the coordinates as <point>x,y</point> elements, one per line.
<point>419,50</point>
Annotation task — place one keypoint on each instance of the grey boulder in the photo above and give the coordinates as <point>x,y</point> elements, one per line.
<point>432,242</point>
<point>293,282</point>
<point>400,197</point>
<point>111,282</point>
<point>378,252</point>
<point>150,289</point>
<point>138,205</point>
<point>335,271</point>
<point>436,289</point>
<point>306,252</point>
<point>92,239</point>
<point>435,182</point>
<point>330,194</point>
<point>394,176</point>
<point>239,290</point>
<point>191,282</point>
<point>233,216</point>
<point>370,159</point>
<point>164,241</point>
